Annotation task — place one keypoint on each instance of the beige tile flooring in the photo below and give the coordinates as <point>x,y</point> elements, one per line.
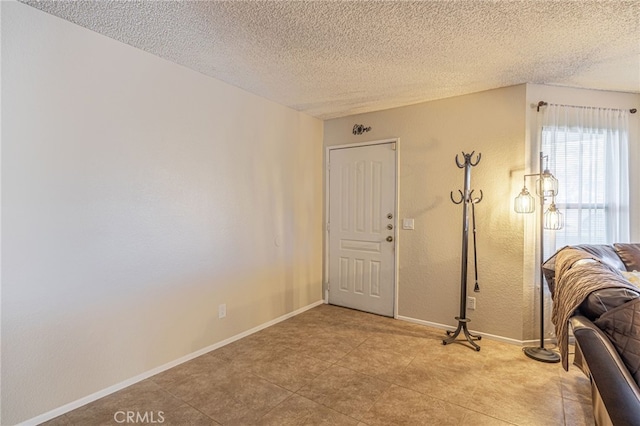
<point>336,366</point>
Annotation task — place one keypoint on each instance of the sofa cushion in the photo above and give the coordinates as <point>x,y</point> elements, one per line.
<point>622,325</point>
<point>576,280</point>
<point>604,300</point>
<point>630,255</point>
<point>604,252</point>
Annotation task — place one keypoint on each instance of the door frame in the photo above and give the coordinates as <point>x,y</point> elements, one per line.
<point>327,198</point>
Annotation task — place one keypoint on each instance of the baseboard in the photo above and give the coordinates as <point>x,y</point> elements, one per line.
<point>552,342</point>
<point>448,327</point>
<point>119,386</point>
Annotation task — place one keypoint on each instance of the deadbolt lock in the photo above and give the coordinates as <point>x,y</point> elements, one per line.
<point>389,227</point>
<point>389,238</point>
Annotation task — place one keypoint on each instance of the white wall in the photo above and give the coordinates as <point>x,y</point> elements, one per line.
<point>137,195</point>
<point>431,135</point>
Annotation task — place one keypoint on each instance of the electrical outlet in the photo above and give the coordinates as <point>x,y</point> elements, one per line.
<point>222,310</point>
<point>471,303</point>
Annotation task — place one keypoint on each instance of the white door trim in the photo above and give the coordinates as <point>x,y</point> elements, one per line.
<point>395,214</point>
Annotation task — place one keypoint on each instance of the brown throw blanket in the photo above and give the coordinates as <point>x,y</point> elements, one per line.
<point>574,282</point>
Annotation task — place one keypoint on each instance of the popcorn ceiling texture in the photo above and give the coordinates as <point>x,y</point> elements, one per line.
<point>337,58</point>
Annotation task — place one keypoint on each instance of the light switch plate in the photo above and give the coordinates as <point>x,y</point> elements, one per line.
<point>407,224</point>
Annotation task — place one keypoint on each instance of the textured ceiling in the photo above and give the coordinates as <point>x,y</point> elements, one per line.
<point>336,58</point>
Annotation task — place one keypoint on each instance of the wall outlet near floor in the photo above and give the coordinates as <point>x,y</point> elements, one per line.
<point>222,310</point>
<point>471,303</point>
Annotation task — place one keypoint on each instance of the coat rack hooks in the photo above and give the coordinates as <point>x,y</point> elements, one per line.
<point>467,199</point>
<point>461,198</point>
<point>468,160</point>
<point>472,200</point>
<point>476,200</point>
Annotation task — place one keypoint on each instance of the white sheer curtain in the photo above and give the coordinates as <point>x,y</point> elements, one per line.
<point>589,155</point>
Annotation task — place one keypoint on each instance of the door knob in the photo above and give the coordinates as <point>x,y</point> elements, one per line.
<point>389,238</point>
<point>390,216</point>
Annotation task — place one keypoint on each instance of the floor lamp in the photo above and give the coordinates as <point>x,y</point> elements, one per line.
<point>546,186</point>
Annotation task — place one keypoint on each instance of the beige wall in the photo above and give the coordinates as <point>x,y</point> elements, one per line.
<point>431,135</point>
<point>137,196</point>
<point>499,124</point>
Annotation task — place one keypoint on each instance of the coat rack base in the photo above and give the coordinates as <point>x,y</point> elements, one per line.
<point>462,327</point>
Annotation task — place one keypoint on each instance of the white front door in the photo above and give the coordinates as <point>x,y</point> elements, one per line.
<point>362,227</point>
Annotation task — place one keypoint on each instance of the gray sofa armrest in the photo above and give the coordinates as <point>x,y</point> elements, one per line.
<point>615,393</point>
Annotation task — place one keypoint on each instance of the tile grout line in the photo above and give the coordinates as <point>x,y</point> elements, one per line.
<point>183,401</point>
<point>374,340</point>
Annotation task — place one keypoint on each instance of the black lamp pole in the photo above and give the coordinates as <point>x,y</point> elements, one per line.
<point>540,353</point>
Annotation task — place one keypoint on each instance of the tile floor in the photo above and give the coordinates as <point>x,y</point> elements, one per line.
<point>335,366</point>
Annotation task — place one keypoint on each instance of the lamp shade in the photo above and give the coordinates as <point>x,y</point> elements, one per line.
<point>547,185</point>
<point>524,202</point>
<point>553,219</point>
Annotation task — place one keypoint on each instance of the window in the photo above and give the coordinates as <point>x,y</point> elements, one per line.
<point>580,168</point>
<point>587,150</point>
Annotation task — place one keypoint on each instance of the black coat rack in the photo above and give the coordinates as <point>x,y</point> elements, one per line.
<point>466,199</point>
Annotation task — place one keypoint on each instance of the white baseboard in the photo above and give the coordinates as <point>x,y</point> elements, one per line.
<point>548,341</point>
<point>119,386</point>
<point>484,335</point>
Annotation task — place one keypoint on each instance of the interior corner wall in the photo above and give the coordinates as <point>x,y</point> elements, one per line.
<point>137,196</point>
<point>431,134</point>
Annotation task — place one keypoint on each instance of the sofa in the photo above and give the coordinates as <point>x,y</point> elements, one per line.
<point>596,295</point>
